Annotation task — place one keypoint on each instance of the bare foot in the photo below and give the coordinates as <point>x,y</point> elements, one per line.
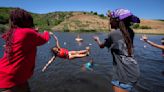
<point>88,50</point>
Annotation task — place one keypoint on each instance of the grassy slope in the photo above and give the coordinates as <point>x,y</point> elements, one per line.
<point>156,25</point>
<point>81,21</point>
<point>77,21</point>
<point>43,21</point>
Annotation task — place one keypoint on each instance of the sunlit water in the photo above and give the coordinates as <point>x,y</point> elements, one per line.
<point>67,76</point>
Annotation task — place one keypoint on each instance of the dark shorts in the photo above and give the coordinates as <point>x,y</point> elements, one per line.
<point>19,88</point>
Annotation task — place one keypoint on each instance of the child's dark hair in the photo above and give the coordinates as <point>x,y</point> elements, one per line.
<point>53,53</point>
<point>124,25</point>
<point>19,18</point>
<point>128,33</point>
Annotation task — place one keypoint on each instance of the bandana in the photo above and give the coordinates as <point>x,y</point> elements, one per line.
<point>124,13</point>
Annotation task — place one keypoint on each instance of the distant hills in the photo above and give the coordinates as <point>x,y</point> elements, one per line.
<point>79,21</point>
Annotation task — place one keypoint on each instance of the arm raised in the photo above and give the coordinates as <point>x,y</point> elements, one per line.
<point>49,62</point>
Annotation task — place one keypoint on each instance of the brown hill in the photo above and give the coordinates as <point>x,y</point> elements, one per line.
<point>86,21</point>
<point>157,27</point>
<point>83,21</point>
<point>155,24</point>
<point>78,21</point>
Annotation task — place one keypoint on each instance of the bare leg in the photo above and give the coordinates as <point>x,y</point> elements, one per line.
<point>49,62</point>
<point>77,56</point>
<point>117,89</point>
<point>80,52</point>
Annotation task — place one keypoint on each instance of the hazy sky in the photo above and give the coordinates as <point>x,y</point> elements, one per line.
<point>147,9</point>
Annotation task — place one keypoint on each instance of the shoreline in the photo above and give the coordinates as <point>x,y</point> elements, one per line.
<point>136,31</point>
<point>149,31</point>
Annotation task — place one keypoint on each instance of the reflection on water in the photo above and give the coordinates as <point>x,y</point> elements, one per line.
<point>67,76</point>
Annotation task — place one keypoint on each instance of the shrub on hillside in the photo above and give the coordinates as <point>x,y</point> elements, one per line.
<point>3,19</point>
<point>85,30</point>
<point>95,13</point>
<point>102,16</point>
<point>65,29</point>
<point>145,27</point>
<point>84,13</point>
<point>137,26</point>
<point>3,28</point>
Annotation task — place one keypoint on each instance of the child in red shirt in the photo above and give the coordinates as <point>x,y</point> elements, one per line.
<point>65,53</point>
<point>18,62</point>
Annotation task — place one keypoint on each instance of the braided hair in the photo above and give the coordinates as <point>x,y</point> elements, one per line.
<point>18,18</point>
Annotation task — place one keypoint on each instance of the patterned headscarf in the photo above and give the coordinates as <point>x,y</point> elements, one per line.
<point>122,14</point>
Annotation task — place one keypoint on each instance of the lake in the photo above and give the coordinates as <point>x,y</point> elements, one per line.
<point>67,76</point>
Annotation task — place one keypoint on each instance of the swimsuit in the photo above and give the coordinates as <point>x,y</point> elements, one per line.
<point>88,66</point>
<point>64,53</point>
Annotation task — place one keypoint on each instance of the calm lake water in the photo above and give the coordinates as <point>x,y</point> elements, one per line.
<point>67,76</point>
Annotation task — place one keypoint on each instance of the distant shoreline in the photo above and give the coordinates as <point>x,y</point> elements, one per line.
<point>149,31</point>
<point>137,31</point>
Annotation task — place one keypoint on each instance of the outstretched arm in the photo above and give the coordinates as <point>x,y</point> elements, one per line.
<point>155,45</point>
<point>57,41</point>
<point>145,38</point>
<point>49,62</point>
<point>96,38</point>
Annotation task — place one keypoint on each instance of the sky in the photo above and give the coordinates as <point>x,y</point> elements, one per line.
<point>146,9</point>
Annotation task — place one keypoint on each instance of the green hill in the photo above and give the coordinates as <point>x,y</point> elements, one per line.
<point>78,21</point>
<point>43,21</point>
<point>83,21</point>
<point>61,21</point>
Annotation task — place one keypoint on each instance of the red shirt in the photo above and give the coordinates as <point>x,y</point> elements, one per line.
<point>63,53</point>
<point>21,66</point>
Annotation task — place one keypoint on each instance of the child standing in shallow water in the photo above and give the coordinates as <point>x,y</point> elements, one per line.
<point>18,61</point>
<point>65,53</point>
<point>120,41</point>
